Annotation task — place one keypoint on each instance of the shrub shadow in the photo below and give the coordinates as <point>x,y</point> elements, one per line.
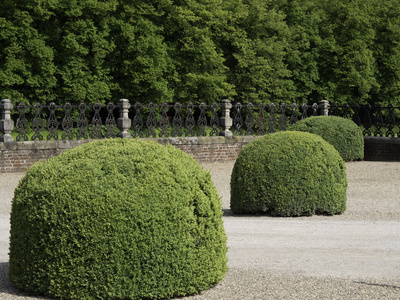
<point>6,287</point>
<point>229,213</point>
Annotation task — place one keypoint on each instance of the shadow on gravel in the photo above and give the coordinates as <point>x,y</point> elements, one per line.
<point>228,213</point>
<point>6,286</point>
<point>378,284</point>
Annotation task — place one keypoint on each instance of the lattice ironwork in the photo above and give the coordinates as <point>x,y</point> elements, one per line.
<point>96,122</point>
<point>238,119</point>
<point>304,109</point>
<point>151,121</point>
<point>82,122</point>
<point>164,121</point>
<point>202,121</point>
<point>346,110</point>
<point>334,109</point>
<point>367,121</point>
<point>22,123</point>
<point>52,123</point>
<point>177,121</point>
<point>67,123</point>
<point>137,121</point>
<point>190,121</point>
<point>356,117</point>
<point>378,121</point>
<point>249,120</point>
<point>390,121</point>
<point>37,123</point>
<point>283,118</point>
<point>261,119</point>
<point>294,117</point>
<point>214,121</point>
<point>111,124</point>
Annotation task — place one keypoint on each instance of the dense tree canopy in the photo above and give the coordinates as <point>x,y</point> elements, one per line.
<point>200,50</point>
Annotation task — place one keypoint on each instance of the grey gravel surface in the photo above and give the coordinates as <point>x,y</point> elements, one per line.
<point>355,255</point>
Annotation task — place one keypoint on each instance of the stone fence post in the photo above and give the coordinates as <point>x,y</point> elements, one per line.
<point>123,122</point>
<point>226,120</point>
<point>324,107</point>
<point>6,124</point>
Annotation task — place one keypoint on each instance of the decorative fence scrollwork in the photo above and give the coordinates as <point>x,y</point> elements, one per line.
<point>67,123</point>
<point>177,120</point>
<point>294,117</point>
<point>98,121</point>
<point>37,123</point>
<point>52,123</point>
<point>249,120</point>
<point>138,121</point>
<point>390,121</point>
<point>164,122</point>
<point>190,121</point>
<point>238,120</point>
<point>22,123</point>
<point>214,121</point>
<point>110,121</point>
<point>283,118</point>
<point>261,119</point>
<point>202,120</point>
<point>82,122</point>
<point>151,122</point>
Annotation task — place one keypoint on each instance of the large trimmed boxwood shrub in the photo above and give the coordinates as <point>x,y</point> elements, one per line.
<point>342,133</point>
<point>289,174</point>
<point>117,219</point>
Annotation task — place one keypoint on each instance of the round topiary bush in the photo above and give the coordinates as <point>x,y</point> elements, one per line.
<point>289,174</point>
<point>117,219</point>
<point>342,133</point>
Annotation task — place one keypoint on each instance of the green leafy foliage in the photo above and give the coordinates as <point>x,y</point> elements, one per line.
<point>289,174</point>
<point>342,133</point>
<point>200,51</point>
<point>117,219</point>
<point>255,44</point>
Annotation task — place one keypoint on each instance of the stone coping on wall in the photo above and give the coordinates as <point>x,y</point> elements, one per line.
<point>69,144</point>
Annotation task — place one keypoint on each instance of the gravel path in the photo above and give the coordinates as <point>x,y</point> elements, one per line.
<point>355,255</point>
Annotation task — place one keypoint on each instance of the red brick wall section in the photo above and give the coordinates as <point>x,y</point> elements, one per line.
<point>18,156</point>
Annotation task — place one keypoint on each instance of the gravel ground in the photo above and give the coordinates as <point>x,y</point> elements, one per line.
<point>355,255</point>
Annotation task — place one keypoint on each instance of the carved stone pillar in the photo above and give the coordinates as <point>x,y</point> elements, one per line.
<point>226,120</point>
<point>6,124</point>
<point>324,107</point>
<point>123,122</point>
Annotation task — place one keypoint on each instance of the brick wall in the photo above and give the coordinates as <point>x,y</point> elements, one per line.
<point>18,156</point>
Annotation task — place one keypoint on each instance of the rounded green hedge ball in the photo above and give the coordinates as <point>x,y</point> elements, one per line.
<point>342,133</point>
<point>117,219</point>
<point>289,174</point>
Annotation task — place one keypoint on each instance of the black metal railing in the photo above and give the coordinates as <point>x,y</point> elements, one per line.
<point>375,120</point>
<point>69,122</point>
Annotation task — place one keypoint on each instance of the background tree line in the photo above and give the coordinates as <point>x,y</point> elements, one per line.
<point>346,51</point>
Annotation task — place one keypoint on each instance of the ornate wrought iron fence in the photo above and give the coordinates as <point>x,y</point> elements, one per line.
<point>125,120</point>
<point>376,120</point>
